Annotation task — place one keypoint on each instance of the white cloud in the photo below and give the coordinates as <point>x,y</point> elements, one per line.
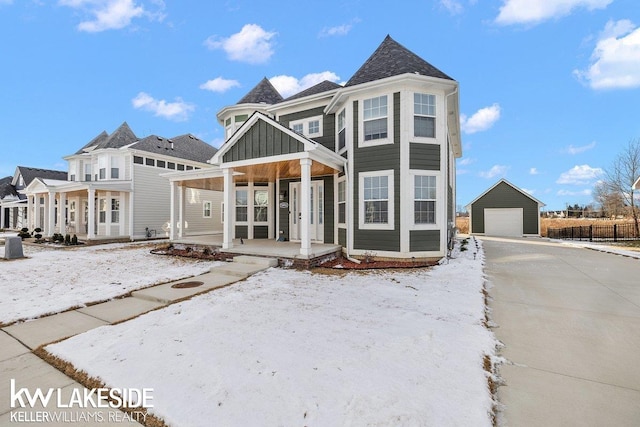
<point>466,161</point>
<point>481,120</point>
<point>219,85</point>
<point>178,110</point>
<point>452,6</point>
<point>289,85</point>
<point>252,44</point>
<point>580,175</point>
<point>6,1</point>
<point>536,11</point>
<point>496,170</point>
<point>577,150</point>
<point>534,171</point>
<point>585,192</point>
<point>615,61</point>
<point>528,191</point>
<point>113,14</point>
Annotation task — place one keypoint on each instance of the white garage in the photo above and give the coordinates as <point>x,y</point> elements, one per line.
<point>505,210</point>
<point>503,222</point>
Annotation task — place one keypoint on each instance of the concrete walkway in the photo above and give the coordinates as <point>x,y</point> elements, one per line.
<point>569,319</point>
<point>29,371</point>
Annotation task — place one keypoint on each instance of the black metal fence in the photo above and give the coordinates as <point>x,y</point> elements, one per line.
<point>614,232</point>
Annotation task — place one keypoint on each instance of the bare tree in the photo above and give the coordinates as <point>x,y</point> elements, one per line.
<point>624,171</point>
<point>610,202</point>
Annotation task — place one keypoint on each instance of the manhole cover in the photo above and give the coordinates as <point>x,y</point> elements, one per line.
<point>184,285</point>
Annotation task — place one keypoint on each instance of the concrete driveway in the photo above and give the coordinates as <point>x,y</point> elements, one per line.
<point>569,319</point>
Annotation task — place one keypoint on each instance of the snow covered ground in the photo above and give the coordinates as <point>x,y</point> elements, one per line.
<point>386,348</point>
<point>52,280</point>
<point>603,247</point>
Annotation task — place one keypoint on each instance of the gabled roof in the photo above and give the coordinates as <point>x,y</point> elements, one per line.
<point>119,138</point>
<point>264,92</point>
<point>94,142</point>
<point>6,189</point>
<point>392,59</point>
<point>509,184</point>
<point>321,87</point>
<point>186,147</point>
<point>29,174</point>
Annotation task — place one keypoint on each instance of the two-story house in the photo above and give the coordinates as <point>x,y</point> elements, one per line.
<point>368,165</point>
<point>114,189</point>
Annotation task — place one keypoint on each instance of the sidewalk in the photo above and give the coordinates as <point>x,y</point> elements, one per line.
<point>29,371</point>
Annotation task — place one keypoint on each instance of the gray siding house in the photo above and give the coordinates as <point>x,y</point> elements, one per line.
<point>505,210</point>
<point>368,165</point>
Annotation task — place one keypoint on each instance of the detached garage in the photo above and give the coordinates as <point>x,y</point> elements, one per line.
<point>505,210</point>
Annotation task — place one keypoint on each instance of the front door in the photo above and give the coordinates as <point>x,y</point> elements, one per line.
<point>316,216</point>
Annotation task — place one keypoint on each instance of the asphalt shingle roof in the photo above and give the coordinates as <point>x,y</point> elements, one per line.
<point>6,189</point>
<point>94,142</point>
<point>186,147</point>
<point>392,59</point>
<point>29,174</point>
<point>264,92</point>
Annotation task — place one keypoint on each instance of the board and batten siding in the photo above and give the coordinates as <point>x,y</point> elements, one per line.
<point>151,200</point>
<point>380,157</point>
<point>262,140</point>
<point>505,196</point>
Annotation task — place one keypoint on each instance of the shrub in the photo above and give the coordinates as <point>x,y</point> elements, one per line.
<point>24,233</point>
<point>67,239</point>
<point>74,240</point>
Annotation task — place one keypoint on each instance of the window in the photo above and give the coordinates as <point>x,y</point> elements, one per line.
<point>424,119</point>
<point>171,165</point>
<point>115,173</point>
<point>342,202</point>
<point>103,173</point>
<point>160,164</point>
<point>310,126</point>
<point>260,203</point>
<point>72,212</point>
<point>342,129</point>
<point>102,208</point>
<point>241,205</point>
<point>206,209</point>
<point>189,167</point>
<point>150,162</point>
<point>138,160</point>
<point>115,211</point>
<point>314,127</point>
<point>376,200</point>
<point>87,172</point>
<point>298,127</point>
<point>180,167</point>
<point>424,205</point>
<point>375,118</point>
<point>72,177</point>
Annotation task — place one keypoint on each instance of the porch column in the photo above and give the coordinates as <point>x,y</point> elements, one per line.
<point>227,227</point>
<point>1,215</point>
<point>172,213</point>
<point>51,213</point>
<point>62,216</point>
<point>30,222</point>
<point>107,221</point>
<point>305,207</point>
<point>36,215</point>
<point>91,220</point>
<point>180,212</point>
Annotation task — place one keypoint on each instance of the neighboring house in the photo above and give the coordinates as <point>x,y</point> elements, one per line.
<point>505,210</point>
<point>114,190</point>
<point>636,185</point>
<point>13,204</point>
<point>369,166</point>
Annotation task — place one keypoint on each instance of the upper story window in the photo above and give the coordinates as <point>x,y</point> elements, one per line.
<point>310,126</point>
<point>138,160</point>
<point>342,129</point>
<point>424,115</point>
<point>374,116</point>
<point>87,172</point>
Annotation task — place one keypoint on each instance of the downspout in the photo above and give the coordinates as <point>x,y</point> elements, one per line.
<point>451,229</point>
<point>348,213</point>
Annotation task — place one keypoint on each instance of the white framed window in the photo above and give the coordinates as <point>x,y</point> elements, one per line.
<point>424,199</point>
<point>260,205</point>
<point>424,115</point>
<point>87,172</point>
<point>342,130</point>
<point>102,211</point>
<point>376,205</point>
<point>310,126</point>
<point>342,201</point>
<point>242,205</point>
<point>374,116</point>
<point>206,209</point>
<point>115,211</point>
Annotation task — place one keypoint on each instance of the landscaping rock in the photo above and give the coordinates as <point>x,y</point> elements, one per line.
<point>13,248</point>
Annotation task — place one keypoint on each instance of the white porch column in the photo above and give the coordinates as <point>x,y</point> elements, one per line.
<point>172,213</point>
<point>51,213</point>
<point>38,220</point>
<point>91,220</point>
<point>130,215</point>
<point>227,227</point>
<point>107,221</point>
<point>2,215</point>
<point>181,212</point>
<point>62,216</point>
<point>305,207</point>
<point>30,222</point>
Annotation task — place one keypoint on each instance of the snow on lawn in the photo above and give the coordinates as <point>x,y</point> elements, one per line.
<point>52,280</point>
<point>389,348</point>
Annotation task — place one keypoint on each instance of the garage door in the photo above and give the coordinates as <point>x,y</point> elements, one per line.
<point>503,222</point>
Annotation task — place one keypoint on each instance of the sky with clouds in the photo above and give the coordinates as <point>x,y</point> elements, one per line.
<point>548,88</point>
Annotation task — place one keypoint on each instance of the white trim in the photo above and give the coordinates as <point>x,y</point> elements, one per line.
<point>440,200</point>
<point>390,114</point>
<point>437,119</point>
<point>390,225</point>
<point>204,203</point>
<point>305,126</point>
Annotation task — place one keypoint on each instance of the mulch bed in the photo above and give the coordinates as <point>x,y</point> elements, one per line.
<point>345,264</point>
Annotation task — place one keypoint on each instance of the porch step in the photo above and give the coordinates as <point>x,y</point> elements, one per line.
<point>257,260</point>
<point>238,269</point>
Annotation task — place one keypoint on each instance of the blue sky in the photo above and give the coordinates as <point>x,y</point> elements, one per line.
<point>549,90</point>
